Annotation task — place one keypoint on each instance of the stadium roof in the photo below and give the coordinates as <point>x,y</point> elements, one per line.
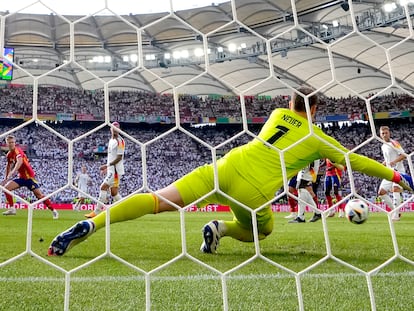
<point>370,50</point>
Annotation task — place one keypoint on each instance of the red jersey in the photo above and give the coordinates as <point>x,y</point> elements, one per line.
<point>331,170</point>
<point>25,171</point>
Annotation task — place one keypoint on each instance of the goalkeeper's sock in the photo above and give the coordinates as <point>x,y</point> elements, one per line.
<point>133,207</point>
<point>404,180</point>
<point>234,230</point>
<point>388,202</point>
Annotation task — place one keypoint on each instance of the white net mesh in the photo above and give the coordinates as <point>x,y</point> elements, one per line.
<point>241,55</point>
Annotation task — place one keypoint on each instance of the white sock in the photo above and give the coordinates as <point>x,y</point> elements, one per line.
<point>387,200</point>
<point>397,201</point>
<point>396,198</point>
<point>116,197</point>
<point>102,199</point>
<point>305,196</point>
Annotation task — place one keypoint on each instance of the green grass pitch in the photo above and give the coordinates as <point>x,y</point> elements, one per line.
<point>153,268</point>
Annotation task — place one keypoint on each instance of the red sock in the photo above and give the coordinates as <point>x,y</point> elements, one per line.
<point>315,199</point>
<point>341,206</point>
<point>292,204</point>
<point>48,203</point>
<point>9,199</point>
<point>329,199</point>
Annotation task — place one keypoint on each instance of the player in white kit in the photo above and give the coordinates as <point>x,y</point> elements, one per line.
<point>82,181</point>
<point>305,178</point>
<point>114,169</point>
<point>393,157</point>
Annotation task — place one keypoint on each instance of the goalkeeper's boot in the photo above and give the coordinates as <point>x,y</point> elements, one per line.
<point>211,237</point>
<point>69,238</point>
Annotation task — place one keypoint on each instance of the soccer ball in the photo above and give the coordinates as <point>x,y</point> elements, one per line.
<point>356,211</point>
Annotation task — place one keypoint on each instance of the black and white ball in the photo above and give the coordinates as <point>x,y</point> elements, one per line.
<point>356,211</point>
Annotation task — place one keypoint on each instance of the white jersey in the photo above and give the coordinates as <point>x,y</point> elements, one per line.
<point>391,150</point>
<point>83,181</point>
<point>310,172</point>
<point>116,146</point>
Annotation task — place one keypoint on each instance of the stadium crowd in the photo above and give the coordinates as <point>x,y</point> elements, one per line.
<point>52,100</point>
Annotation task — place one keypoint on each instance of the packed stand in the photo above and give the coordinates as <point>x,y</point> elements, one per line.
<point>124,104</point>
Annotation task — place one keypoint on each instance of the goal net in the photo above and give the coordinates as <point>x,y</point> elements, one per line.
<point>188,85</point>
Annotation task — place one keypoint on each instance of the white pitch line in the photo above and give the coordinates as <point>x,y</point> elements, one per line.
<point>200,277</point>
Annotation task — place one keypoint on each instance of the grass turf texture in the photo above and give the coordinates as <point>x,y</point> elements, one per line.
<point>155,240</point>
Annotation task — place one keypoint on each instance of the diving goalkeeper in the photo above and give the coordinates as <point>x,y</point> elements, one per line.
<point>251,174</point>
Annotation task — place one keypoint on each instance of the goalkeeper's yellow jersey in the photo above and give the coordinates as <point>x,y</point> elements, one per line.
<point>290,140</point>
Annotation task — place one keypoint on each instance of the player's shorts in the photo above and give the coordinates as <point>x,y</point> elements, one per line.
<point>293,182</point>
<point>200,182</point>
<point>112,179</point>
<point>304,184</point>
<point>30,183</point>
<point>331,182</point>
<point>84,189</point>
<point>388,185</point>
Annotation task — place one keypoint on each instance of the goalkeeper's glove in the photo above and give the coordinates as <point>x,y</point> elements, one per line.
<point>404,180</point>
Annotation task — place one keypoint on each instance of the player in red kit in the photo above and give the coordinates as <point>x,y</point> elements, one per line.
<point>18,164</point>
<point>333,176</point>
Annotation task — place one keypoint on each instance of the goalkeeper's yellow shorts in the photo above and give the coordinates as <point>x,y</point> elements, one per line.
<point>200,182</point>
